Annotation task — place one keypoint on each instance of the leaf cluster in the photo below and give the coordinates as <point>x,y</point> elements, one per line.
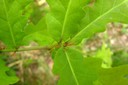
<point>62,30</point>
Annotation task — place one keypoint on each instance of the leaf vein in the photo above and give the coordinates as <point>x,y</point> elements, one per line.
<point>65,19</point>
<point>10,28</point>
<point>72,70</point>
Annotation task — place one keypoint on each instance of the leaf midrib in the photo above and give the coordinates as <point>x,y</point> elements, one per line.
<point>72,70</point>
<point>65,19</point>
<point>97,19</point>
<point>10,28</point>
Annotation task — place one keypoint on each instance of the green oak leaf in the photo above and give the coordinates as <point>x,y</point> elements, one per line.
<point>64,18</point>
<point>92,67</point>
<point>73,69</point>
<point>99,14</point>
<point>38,33</point>
<point>68,64</point>
<point>4,78</point>
<point>114,76</point>
<point>104,76</point>
<point>12,22</point>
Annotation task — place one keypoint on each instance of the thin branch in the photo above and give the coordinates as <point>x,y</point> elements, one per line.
<point>26,49</point>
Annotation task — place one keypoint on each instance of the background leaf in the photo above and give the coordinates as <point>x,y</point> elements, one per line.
<point>106,55</point>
